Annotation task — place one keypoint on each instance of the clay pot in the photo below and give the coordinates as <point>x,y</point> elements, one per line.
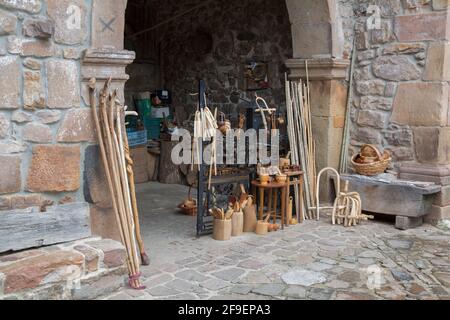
<point>222,230</point>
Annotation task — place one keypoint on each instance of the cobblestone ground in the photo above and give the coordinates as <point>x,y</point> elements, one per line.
<point>311,261</point>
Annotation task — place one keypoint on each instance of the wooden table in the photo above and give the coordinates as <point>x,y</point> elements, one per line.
<point>272,205</point>
<point>295,179</point>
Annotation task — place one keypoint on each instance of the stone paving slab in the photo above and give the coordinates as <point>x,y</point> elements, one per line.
<point>312,261</point>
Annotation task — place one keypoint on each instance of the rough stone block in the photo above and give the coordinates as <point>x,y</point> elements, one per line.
<point>30,6</point>
<point>422,27</point>
<point>20,202</point>
<point>10,90</point>
<point>91,257</point>
<point>374,87</point>
<point>108,24</point>
<point>100,285</point>
<point>96,189</point>
<point>432,144</point>
<point>32,64</point>
<point>33,91</point>
<point>103,223</point>
<point>368,135</point>
<point>14,45</point>
<point>443,198</point>
<point>30,273</point>
<point>63,84</point>
<point>77,126</point>
<point>5,203</point>
<point>404,48</point>
<point>54,169</point>
<point>441,4</point>
<point>48,116</point>
<point>383,35</point>
<point>406,223</point>
<point>12,147</point>
<point>8,23</point>
<point>10,176</point>
<point>438,62</point>
<point>438,214</point>
<point>373,103</point>
<point>21,117</point>
<point>114,252</point>
<point>421,104</point>
<point>370,118</point>
<point>37,133</point>
<point>38,28</point>
<point>37,48</point>
<point>71,53</point>
<point>396,68</point>
<point>70,17</point>
<point>4,126</point>
<point>401,153</point>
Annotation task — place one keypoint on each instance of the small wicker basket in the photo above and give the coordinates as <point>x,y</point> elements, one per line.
<point>189,210</point>
<point>378,166</point>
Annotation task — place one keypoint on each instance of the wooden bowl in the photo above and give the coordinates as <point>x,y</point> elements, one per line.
<point>264,179</point>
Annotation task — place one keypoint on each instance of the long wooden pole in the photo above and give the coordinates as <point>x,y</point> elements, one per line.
<point>144,257</point>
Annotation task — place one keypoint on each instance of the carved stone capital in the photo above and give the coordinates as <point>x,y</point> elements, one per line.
<point>318,69</point>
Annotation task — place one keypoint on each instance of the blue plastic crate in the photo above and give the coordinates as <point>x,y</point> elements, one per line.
<point>137,138</point>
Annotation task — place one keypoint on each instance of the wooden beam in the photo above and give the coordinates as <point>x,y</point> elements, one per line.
<point>25,229</point>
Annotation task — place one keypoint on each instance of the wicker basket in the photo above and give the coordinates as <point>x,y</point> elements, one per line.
<point>379,166</point>
<point>188,210</point>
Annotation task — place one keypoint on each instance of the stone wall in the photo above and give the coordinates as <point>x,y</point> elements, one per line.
<point>45,125</point>
<point>82,270</point>
<point>241,31</point>
<point>401,89</point>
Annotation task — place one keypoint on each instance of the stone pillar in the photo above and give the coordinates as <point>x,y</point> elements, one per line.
<point>106,58</point>
<point>328,104</point>
<point>425,107</point>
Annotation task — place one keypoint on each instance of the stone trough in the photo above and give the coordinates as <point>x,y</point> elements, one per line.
<point>408,201</point>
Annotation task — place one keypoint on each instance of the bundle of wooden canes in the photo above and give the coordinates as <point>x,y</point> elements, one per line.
<point>118,165</point>
<point>302,142</point>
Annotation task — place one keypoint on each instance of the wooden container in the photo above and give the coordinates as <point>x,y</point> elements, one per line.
<point>282,178</point>
<point>290,210</point>
<point>237,224</point>
<point>262,226</point>
<point>264,179</point>
<point>250,219</point>
<point>222,230</point>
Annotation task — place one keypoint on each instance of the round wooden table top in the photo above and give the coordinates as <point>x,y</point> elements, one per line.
<point>270,185</point>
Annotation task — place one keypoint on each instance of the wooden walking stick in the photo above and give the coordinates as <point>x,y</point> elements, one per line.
<point>144,257</point>
<point>106,153</point>
<point>117,178</point>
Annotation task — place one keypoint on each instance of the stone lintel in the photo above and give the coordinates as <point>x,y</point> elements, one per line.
<point>318,69</point>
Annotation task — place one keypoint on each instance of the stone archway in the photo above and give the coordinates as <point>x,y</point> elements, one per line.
<point>317,38</point>
<point>316,29</point>
<point>318,41</point>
